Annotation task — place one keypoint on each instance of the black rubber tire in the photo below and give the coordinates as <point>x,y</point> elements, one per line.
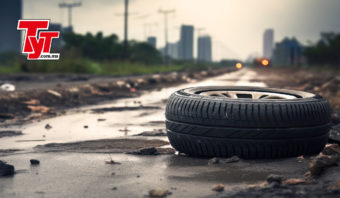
<point>247,133</point>
<point>189,107</point>
<point>199,125</point>
<point>200,146</point>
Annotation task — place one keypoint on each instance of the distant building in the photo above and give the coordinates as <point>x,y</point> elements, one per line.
<point>173,50</point>
<point>204,49</point>
<point>288,52</point>
<point>268,43</point>
<point>152,41</point>
<point>10,37</point>
<point>186,43</point>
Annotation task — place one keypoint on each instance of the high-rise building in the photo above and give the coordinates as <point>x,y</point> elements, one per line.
<point>173,50</point>
<point>204,48</point>
<point>10,37</point>
<point>288,52</point>
<point>268,43</point>
<point>186,43</point>
<point>152,41</point>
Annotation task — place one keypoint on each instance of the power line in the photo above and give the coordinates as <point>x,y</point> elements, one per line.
<point>69,6</point>
<point>165,13</point>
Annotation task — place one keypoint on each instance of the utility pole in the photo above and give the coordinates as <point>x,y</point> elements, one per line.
<point>166,12</point>
<point>126,27</point>
<point>126,10</point>
<point>69,6</point>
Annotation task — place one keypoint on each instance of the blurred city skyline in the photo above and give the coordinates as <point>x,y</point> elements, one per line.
<point>236,26</point>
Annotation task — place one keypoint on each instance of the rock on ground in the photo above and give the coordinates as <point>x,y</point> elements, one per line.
<point>6,169</point>
<point>158,192</point>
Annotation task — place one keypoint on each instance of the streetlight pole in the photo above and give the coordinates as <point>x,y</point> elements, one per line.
<point>166,12</point>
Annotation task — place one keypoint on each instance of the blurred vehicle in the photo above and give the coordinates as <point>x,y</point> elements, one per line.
<point>262,62</point>
<point>238,65</point>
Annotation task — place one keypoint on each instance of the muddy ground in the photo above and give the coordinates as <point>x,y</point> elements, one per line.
<point>116,147</point>
<point>41,96</point>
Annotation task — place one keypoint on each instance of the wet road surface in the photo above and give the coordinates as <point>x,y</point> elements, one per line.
<point>74,174</point>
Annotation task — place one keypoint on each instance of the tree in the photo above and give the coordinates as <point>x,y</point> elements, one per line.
<point>325,51</point>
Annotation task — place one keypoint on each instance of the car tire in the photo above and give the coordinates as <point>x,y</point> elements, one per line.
<point>249,122</point>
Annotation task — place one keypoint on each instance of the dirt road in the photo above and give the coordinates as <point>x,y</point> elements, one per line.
<point>79,169</point>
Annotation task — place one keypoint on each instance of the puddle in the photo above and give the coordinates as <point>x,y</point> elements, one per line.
<point>116,119</point>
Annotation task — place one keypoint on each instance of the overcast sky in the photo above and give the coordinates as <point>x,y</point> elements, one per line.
<point>236,26</point>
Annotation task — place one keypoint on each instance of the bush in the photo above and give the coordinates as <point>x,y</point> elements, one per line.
<point>67,65</point>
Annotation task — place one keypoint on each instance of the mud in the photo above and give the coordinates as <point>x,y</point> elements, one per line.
<point>55,93</point>
<point>300,191</point>
<point>101,110</point>
<point>9,133</point>
<point>102,146</point>
<point>73,158</point>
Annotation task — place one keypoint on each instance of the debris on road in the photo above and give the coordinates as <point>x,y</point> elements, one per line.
<point>158,192</point>
<point>217,160</point>
<point>321,162</point>
<point>41,108</point>
<point>7,87</point>
<point>331,149</point>
<point>297,181</point>
<point>34,162</point>
<point>6,169</point>
<point>101,119</point>
<point>48,126</point>
<point>111,161</point>
<point>123,145</point>
<point>166,151</point>
<point>218,188</point>
<point>334,186</point>
<point>54,93</point>
<point>86,127</point>
<point>334,134</point>
<point>31,102</point>
<point>6,116</point>
<point>9,133</point>
<point>124,130</point>
<point>145,151</point>
<point>274,179</point>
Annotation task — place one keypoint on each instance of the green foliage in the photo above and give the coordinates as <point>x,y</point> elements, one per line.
<point>326,51</point>
<point>68,65</point>
<point>143,52</point>
<point>99,47</point>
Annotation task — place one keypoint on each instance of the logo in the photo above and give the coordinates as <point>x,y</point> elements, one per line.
<point>37,43</point>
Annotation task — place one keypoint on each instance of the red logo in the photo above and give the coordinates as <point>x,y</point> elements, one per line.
<point>37,43</point>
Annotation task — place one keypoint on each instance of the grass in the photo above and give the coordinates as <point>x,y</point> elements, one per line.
<point>87,66</point>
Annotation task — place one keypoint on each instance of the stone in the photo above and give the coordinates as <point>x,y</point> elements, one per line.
<point>335,186</point>
<point>274,178</point>
<point>217,160</point>
<point>332,149</point>
<point>48,126</point>
<point>218,188</point>
<point>296,181</point>
<point>6,169</point>
<point>320,162</point>
<point>158,192</point>
<point>145,151</point>
<point>34,162</point>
